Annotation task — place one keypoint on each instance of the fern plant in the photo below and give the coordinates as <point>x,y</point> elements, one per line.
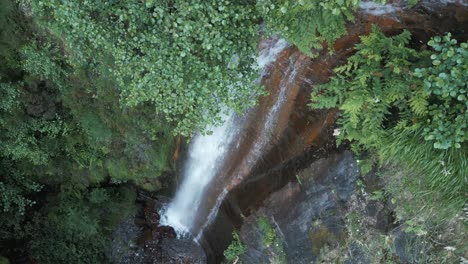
<point>370,88</point>
<point>309,23</point>
<point>394,103</point>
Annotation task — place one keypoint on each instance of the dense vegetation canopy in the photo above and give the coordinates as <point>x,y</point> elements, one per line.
<point>187,59</point>
<point>94,96</point>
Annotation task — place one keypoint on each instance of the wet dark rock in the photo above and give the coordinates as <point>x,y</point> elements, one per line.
<point>141,239</point>
<point>357,255</point>
<point>385,220</point>
<point>124,248</point>
<point>179,251</point>
<point>409,248</point>
<point>162,232</point>
<point>307,215</point>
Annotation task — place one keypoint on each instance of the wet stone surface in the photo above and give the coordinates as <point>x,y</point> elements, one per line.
<point>306,214</point>
<point>141,239</point>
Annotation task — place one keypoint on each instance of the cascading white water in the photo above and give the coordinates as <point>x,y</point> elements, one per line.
<point>376,9</point>
<point>205,155</point>
<point>261,143</point>
<point>267,56</point>
<point>258,146</point>
<point>213,213</point>
<point>200,168</point>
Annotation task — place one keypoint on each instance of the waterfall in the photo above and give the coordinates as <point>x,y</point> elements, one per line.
<point>206,154</point>
<point>260,144</point>
<point>376,9</point>
<point>213,213</point>
<point>199,169</point>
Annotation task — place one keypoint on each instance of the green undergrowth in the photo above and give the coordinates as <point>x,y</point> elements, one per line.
<point>309,24</point>
<point>235,249</point>
<point>405,110</point>
<point>75,226</point>
<point>271,240</point>
<point>439,221</point>
<point>70,153</point>
<point>407,106</point>
<point>426,228</point>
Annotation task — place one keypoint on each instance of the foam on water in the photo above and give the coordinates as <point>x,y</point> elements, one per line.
<point>377,9</point>
<point>213,213</point>
<point>200,168</point>
<point>267,56</point>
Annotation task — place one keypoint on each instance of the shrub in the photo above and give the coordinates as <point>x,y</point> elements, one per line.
<point>74,227</point>
<point>371,87</point>
<point>446,92</point>
<point>308,23</point>
<point>173,55</point>
<point>268,232</point>
<point>393,103</point>
<point>235,249</point>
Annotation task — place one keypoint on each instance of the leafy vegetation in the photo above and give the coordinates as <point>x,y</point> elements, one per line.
<point>65,150</point>
<point>267,230</point>
<point>271,240</point>
<point>394,103</point>
<point>235,249</point>
<point>409,108</point>
<point>74,227</point>
<point>308,23</point>
<point>92,95</point>
<point>445,93</point>
<point>186,59</point>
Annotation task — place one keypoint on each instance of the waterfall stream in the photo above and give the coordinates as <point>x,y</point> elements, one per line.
<point>206,155</point>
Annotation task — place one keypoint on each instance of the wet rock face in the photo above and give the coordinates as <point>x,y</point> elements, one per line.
<point>296,205</point>
<point>306,215</point>
<point>177,251</point>
<point>409,248</point>
<point>141,239</point>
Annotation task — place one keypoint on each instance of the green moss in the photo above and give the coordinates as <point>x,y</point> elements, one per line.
<point>235,249</point>
<point>267,230</point>
<point>320,236</point>
<point>271,240</point>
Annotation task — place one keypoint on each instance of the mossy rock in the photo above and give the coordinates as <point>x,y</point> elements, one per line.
<point>321,236</point>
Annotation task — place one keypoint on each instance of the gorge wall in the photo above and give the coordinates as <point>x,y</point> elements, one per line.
<point>281,137</point>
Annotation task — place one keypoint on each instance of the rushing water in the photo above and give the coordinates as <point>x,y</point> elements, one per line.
<point>206,154</point>
<point>259,146</point>
<point>200,168</point>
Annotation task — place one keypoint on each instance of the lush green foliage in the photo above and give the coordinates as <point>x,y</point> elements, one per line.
<point>187,59</point>
<point>15,200</point>
<point>60,142</point>
<point>74,226</point>
<point>235,249</point>
<point>373,83</point>
<point>444,170</point>
<point>395,103</point>
<point>271,240</point>
<point>308,23</point>
<point>268,232</point>
<point>445,85</point>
